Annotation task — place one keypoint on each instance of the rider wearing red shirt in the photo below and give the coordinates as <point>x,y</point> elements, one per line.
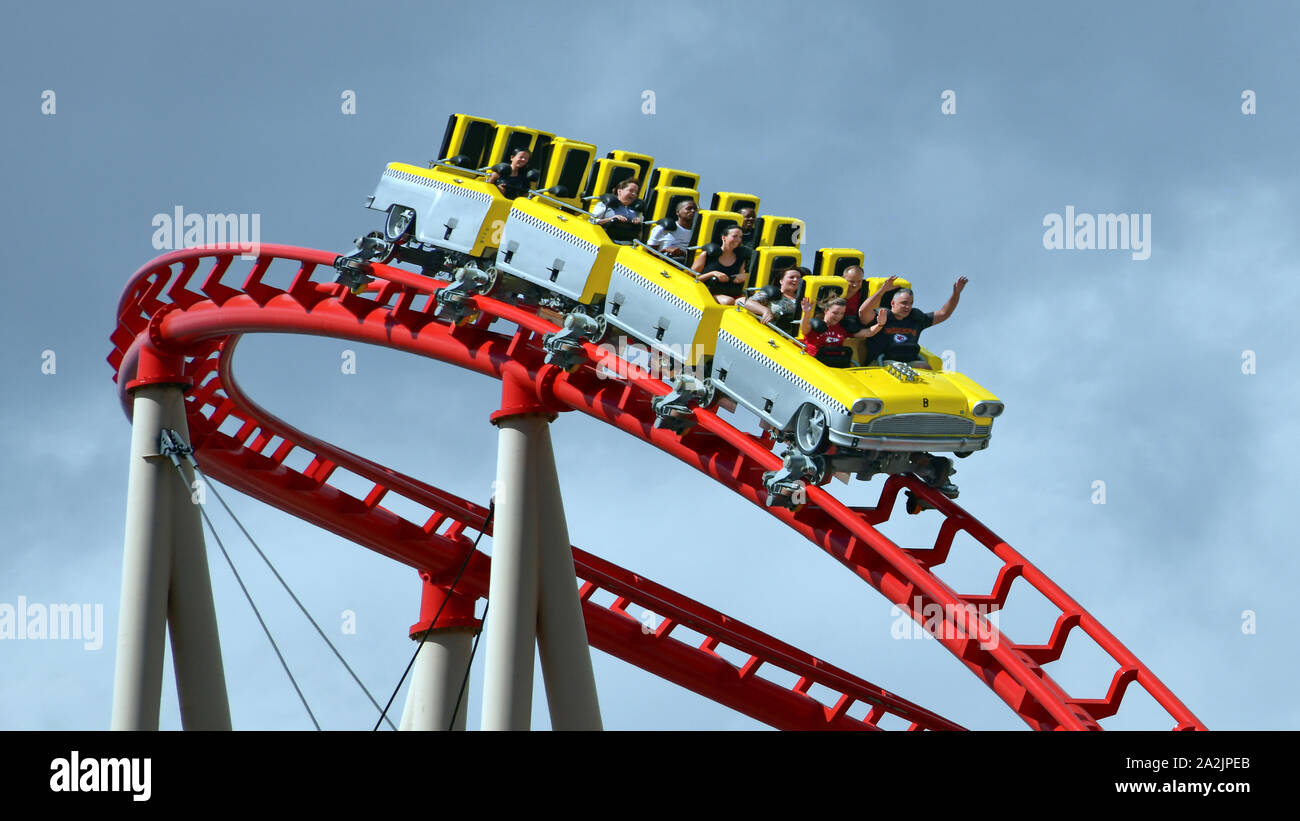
<point>827,343</point>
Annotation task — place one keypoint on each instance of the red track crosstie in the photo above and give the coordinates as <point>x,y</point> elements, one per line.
<point>180,304</point>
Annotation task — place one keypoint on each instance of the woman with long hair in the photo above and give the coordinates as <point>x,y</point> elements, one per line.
<point>724,272</point>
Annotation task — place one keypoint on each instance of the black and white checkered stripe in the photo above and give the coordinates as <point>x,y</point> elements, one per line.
<point>829,404</point>
<point>554,230</point>
<point>656,291</point>
<point>419,179</point>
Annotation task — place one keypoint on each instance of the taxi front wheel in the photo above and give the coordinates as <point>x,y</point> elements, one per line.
<point>811,430</point>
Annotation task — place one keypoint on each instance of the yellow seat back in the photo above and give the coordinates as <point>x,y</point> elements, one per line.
<point>467,138</point>
<point>731,201</point>
<point>605,174</point>
<point>674,178</point>
<point>663,202</point>
<point>644,163</point>
<point>833,261</point>
<point>565,164</point>
<point>509,137</point>
<point>768,261</point>
<point>782,231</point>
<point>710,224</point>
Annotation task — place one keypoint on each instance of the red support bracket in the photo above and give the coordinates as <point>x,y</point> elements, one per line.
<point>520,397</point>
<point>457,612</point>
<point>155,366</point>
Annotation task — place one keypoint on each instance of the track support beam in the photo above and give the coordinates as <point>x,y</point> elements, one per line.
<point>165,580</point>
<point>561,628</point>
<point>533,584</point>
<point>442,662</point>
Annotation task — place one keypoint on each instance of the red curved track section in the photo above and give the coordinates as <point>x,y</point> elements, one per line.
<point>180,303</point>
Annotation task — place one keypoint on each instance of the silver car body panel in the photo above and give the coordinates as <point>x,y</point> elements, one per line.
<point>544,254</point>
<point>637,306</point>
<point>446,215</point>
<point>771,391</point>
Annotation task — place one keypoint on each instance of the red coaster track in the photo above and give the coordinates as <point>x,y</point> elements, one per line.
<point>179,303</point>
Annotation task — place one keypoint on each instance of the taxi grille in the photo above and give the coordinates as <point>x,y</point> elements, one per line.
<point>920,424</point>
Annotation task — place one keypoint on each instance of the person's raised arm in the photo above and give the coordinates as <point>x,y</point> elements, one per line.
<point>868,306</point>
<point>951,305</point>
<point>805,317</point>
<point>882,316</point>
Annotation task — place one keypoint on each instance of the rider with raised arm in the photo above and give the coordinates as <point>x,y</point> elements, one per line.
<point>824,338</point>
<point>903,326</point>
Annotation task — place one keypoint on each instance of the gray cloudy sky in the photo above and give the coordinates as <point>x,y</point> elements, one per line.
<point>1129,372</point>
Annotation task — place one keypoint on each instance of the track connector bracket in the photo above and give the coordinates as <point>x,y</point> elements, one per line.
<point>354,269</point>
<point>564,347</point>
<point>787,487</point>
<point>674,410</point>
<point>469,281</point>
<point>935,471</point>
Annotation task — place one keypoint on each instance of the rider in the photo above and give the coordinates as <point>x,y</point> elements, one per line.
<point>512,177</point>
<point>620,219</point>
<point>724,272</point>
<point>675,239</point>
<point>778,305</point>
<point>826,341</point>
<point>903,326</point>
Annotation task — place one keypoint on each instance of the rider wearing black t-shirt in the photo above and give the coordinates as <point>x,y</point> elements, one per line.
<point>512,176</point>
<point>900,334</point>
<point>726,281</point>
<point>899,339</point>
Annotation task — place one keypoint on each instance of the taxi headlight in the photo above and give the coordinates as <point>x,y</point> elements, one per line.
<point>990,409</point>
<point>867,407</point>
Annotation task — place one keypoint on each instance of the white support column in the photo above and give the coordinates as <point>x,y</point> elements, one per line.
<point>442,662</point>
<point>146,566</point>
<point>512,626</point>
<point>440,667</point>
<point>561,628</point>
<point>191,614</point>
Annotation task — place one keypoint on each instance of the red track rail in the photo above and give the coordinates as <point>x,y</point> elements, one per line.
<point>203,321</point>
